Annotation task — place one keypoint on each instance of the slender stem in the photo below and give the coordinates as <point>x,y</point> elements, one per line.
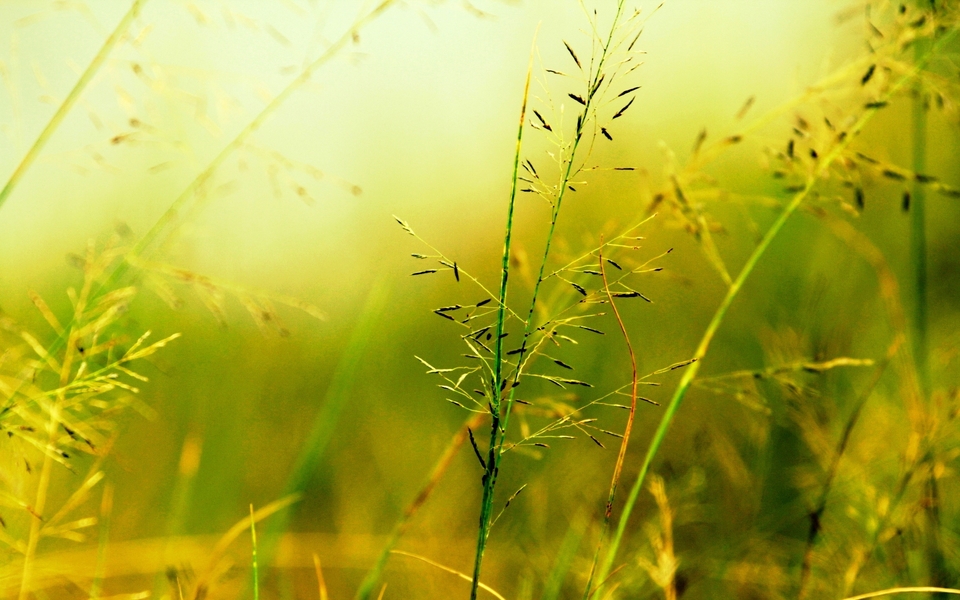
<point>625,440</point>
<point>496,387</point>
<point>255,567</point>
<point>498,430</point>
<point>936,564</point>
<point>918,232</point>
<point>53,426</point>
<point>680,393</point>
<point>904,590</point>
<point>369,583</point>
<point>70,100</point>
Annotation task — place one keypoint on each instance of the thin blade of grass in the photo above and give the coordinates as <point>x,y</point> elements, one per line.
<point>321,583</point>
<point>628,428</point>
<point>328,416</point>
<point>439,470</point>
<point>564,560</point>
<point>490,472</point>
<point>92,69</point>
<point>751,263</point>
<point>463,576</point>
<point>255,567</point>
<point>904,590</point>
<point>106,511</point>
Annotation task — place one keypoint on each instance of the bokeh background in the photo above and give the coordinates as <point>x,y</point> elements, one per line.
<point>416,117</point>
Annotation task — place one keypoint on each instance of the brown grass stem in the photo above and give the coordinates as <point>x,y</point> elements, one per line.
<point>628,428</point>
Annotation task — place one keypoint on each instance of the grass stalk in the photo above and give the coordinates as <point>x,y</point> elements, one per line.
<point>53,426</point>
<point>681,391</point>
<point>321,583</point>
<point>628,428</point>
<point>564,560</point>
<point>369,584</point>
<point>498,430</point>
<point>255,567</point>
<point>490,471</point>
<point>918,257</point>
<point>918,228</point>
<point>328,416</point>
<point>106,511</point>
<point>78,88</point>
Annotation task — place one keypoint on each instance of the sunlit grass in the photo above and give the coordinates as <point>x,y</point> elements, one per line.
<point>779,339</point>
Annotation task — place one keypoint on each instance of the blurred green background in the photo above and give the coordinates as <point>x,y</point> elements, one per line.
<point>416,118</point>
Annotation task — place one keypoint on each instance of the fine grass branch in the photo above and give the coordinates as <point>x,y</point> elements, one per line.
<point>628,428</point>
<point>78,88</point>
<point>690,374</point>
<point>594,78</point>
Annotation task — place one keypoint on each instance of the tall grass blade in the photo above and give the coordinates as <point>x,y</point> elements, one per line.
<point>681,391</point>
<point>326,420</point>
<point>490,474</point>
<point>553,586</point>
<point>255,567</point>
<point>369,582</point>
<point>98,59</point>
<point>628,428</point>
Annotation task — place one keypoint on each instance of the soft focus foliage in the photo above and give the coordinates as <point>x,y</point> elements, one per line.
<point>251,271</point>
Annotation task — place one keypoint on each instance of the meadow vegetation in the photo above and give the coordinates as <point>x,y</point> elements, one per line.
<point>728,373</point>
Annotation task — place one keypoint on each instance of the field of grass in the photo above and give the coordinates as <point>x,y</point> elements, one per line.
<point>479,299</point>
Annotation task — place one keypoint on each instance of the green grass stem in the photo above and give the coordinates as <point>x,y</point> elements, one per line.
<point>490,473</point>
<point>78,88</point>
<point>721,312</point>
<point>328,416</point>
<point>498,430</point>
<point>918,232</point>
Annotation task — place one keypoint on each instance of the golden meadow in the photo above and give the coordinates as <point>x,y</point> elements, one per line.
<point>536,299</point>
